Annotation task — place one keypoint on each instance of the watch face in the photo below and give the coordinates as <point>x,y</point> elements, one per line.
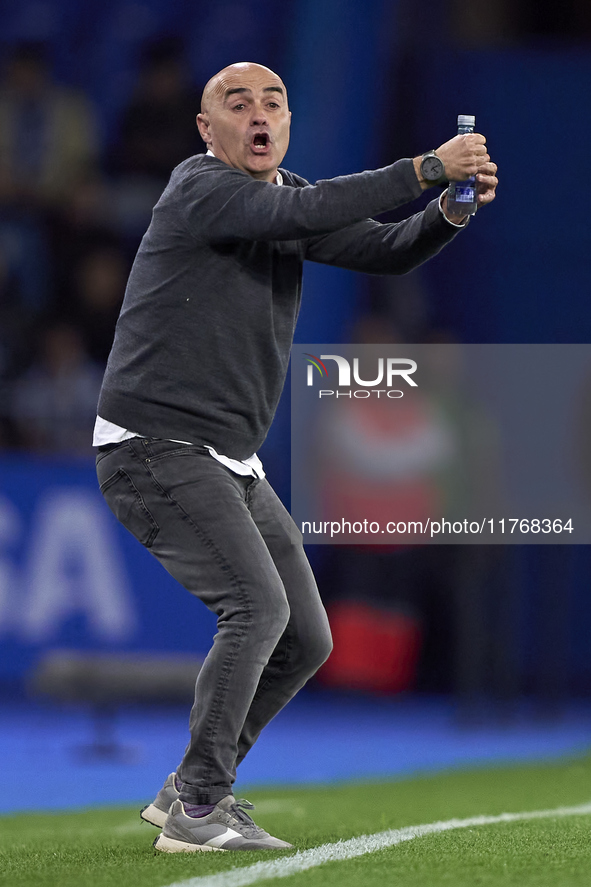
<point>432,168</point>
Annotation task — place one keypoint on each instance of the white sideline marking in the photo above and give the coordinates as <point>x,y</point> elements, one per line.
<point>307,859</point>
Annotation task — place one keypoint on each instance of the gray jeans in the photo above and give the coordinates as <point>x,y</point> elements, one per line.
<point>228,540</point>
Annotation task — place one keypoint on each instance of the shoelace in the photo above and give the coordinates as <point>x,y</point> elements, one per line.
<point>238,809</point>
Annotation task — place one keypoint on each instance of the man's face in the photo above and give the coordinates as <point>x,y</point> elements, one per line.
<point>245,119</point>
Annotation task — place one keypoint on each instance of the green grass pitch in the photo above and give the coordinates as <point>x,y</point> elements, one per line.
<point>110,847</point>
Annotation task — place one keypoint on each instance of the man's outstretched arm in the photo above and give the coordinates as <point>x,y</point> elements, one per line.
<point>398,248</point>
<point>224,204</point>
<point>376,248</point>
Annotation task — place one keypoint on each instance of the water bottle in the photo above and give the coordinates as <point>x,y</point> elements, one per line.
<point>461,196</point>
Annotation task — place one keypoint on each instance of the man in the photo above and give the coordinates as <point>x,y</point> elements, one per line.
<point>197,367</point>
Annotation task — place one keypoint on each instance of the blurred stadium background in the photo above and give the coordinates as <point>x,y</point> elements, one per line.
<point>480,656</point>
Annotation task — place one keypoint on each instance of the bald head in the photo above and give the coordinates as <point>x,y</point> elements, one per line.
<point>216,88</point>
<point>245,119</point>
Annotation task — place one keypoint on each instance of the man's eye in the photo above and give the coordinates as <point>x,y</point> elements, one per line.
<point>239,107</point>
<point>273,105</point>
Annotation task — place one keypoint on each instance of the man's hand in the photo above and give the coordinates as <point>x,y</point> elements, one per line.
<point>465,156</point>
<point>486,183</point>
<point>462,157</point>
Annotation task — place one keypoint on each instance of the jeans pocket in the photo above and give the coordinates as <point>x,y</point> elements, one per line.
<point>126,502</point>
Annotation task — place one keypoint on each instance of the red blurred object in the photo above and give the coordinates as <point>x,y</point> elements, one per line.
<point>374,649</point>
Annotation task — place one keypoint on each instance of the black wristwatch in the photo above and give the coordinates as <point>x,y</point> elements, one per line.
<point>432,168</point>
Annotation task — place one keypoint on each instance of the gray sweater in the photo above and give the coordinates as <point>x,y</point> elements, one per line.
<point>202,344</point>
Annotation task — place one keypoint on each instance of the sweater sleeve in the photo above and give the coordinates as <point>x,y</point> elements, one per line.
<point>223,204</point>
<point>385,249</point>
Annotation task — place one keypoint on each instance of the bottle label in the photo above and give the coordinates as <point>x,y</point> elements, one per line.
<point>464,194</point>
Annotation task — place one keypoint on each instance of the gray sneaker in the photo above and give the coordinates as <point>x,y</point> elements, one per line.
<point>227,827</point>
<point>156,812</point>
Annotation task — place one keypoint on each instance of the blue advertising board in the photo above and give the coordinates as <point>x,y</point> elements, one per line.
<point>72,577</point>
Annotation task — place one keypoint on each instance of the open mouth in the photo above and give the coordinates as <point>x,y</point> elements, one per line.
<point>260,142</point>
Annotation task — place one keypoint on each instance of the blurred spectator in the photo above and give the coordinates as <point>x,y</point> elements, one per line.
<point>431,455</point>
<point>84,224</point>
<point>12,325</point>
<point>158,128</point>
<point>409,458</point>
<point>47,132</point>
<point>22,299</point>
<point>99,281</point>
<point>486,22</point>
<point>54,403</point>
<point>157,131</point>
<point>14,317</point>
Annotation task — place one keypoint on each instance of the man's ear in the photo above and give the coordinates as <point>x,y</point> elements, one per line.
<point>203,126</point>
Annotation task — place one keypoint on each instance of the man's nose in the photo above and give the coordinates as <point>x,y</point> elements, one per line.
<point>259,116</point>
